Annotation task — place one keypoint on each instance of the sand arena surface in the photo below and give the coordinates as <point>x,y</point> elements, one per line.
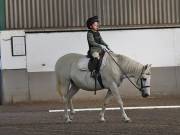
<point>34,119</point>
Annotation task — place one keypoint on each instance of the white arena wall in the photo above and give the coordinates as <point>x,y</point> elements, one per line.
<point>32,78</point>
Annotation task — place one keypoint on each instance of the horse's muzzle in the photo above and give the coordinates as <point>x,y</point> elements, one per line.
<point>145,95</point>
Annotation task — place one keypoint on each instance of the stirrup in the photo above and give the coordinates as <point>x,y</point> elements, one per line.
<point>93,73</point>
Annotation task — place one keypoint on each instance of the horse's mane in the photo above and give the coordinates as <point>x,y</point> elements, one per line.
<point>129,65</point>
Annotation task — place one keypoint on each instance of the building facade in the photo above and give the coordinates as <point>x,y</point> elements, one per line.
<point>35,33</point>
<point>72,14</point>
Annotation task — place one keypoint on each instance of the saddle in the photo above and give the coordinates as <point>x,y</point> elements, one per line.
<point>94,63</point>
<point>88,63</point>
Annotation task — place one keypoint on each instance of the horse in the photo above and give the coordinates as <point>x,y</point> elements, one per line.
<point>70,79</point>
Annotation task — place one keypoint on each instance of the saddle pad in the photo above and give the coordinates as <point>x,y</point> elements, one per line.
<point>83,62</point>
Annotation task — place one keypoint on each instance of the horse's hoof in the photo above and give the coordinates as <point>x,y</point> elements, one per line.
<point>102,120</point>
<point>128,120</point>
<point>68,121</point>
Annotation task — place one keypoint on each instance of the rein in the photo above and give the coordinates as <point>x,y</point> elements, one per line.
<point>140,89</point>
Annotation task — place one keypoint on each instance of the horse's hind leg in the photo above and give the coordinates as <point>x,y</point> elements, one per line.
<point>106,101</point>
<point>72,91</point>
<point>62,87</point>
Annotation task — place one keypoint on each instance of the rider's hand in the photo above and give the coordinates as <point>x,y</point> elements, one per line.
<point>104,47</point>
<point>109,49</point>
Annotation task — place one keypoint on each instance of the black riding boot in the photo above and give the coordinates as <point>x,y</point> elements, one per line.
<point>96,69</point>
<point>98,65</point>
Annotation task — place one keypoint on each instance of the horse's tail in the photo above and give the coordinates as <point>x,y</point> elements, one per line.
<point>58,86</point>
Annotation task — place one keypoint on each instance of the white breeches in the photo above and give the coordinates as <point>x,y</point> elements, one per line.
<point>96,55</point>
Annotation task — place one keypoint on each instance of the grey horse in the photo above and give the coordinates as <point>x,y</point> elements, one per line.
<point>70,79</point>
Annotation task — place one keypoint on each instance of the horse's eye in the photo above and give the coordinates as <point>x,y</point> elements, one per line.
<point>144,79</point>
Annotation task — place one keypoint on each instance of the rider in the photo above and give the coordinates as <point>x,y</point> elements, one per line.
<point>95,41</point>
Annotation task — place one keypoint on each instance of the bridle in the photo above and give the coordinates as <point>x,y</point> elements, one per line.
<point>141,80</point>
<point>124,73</point>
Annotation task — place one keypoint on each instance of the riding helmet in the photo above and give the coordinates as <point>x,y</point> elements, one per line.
<point>91,20</point>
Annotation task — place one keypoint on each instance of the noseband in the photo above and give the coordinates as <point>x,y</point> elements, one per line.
<point>142,79</point>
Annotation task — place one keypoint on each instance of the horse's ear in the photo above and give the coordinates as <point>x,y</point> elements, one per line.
<point>147,66</point>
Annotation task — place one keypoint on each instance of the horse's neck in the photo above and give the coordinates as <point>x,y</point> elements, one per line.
<point>112,65</point>
<point>130,67</point>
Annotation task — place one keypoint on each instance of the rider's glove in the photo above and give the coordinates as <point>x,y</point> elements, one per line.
<point>104,47</point>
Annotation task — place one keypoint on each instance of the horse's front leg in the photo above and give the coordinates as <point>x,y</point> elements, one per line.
<point>106,101</point>
<point>115,91</point>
